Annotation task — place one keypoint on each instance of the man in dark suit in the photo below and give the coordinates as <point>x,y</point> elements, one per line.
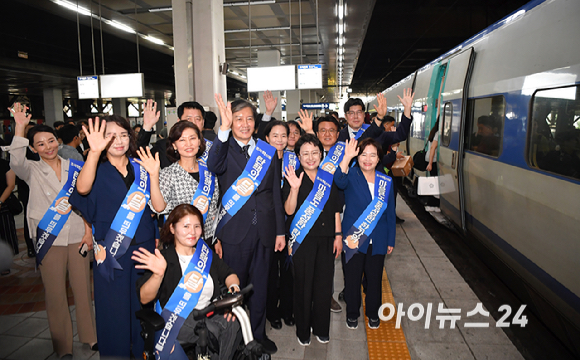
<point>191,111</point>
<point>208,125</point>
<point>248,239</point>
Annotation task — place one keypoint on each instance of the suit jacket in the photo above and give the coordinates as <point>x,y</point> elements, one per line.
<point>160,147</point>
<point>218,271</point>
<point>385,138</point>
<point>358,197</point>
<point>227,161</point>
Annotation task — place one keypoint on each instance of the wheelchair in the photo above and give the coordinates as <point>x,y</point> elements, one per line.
<point>207,344</point>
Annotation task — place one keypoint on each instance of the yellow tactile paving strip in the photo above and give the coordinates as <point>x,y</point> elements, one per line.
<point>386,342</point>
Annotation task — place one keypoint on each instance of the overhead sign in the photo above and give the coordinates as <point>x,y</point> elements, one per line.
<point>88,87</point>
<point>122,85</point>
<point>272,78</point>
<point>310,76</point>
<point>315,106</point>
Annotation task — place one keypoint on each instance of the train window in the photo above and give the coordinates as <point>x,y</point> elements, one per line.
<point>554,134</point>
<point>486,125</point>
<point>447,120</point>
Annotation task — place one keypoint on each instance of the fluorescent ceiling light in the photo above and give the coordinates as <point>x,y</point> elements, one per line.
<point>73,7</point>
<point>340,40</point>
<point>120,26</point>
<point>340,11</point>
<point>154,40</point>
<point>340,29</point>
<point>160,9</point>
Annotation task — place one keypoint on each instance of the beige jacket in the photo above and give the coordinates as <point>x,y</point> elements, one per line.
<point>44,186</point>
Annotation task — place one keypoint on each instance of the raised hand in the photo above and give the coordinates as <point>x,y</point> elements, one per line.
<point>307,119</point>
<point>270,101</point>
<point>19,113</point>
<point>382,109</point>
<point>407,101</point>
<point>225,112</point>
<point>293,180</point>
<point>154,262</point>
<point>150,115</point>
<point>351,150</point>
<point>96,135</point>
<point>149,163</point>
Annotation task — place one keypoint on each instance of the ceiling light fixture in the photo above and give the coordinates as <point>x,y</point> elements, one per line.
<point>154,40</point>
<point>120,26</point>
<point>160,9</point>
<point>73,7</point>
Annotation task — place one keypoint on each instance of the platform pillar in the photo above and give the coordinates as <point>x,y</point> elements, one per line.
<point>53,106</point>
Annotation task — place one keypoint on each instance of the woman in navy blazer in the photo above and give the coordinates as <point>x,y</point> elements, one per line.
<point>357,183</point>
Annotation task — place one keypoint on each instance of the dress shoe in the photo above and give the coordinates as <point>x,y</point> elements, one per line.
<point>335,306</point>
<point>289,321</point>
<point>268,346</point>
<point>341,296</point>
<point>276,324</point>
<point>95,347</point>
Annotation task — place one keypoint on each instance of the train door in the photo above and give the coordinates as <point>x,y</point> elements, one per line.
<point>453,108</point>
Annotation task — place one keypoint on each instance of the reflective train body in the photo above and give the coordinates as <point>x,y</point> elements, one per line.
<point>508,101</point>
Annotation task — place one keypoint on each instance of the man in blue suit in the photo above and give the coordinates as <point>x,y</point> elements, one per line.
<point>248,239</point>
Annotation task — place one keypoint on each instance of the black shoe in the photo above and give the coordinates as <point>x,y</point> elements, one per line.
<point>95,347</point>
<point>276,324</point>
<point>399,220</point>
<point>341,296</point>
<point>335,306</point>
<point>289,321</point>
<point>31,253</point>
<point>268,346</point>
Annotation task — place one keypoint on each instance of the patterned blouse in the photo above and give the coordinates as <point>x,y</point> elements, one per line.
<point>178,187</point>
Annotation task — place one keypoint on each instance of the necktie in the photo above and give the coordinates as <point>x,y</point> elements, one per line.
<point>245,149</point>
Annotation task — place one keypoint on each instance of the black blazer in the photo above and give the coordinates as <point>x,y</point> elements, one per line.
<point>227,161</point>
<point>218,271</point>
<point>385,138</point>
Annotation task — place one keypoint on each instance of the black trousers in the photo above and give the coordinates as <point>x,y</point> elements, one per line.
<point>372,267</point>
<point>313,272</point>
<point>280,287</point>
<point>250,260</point>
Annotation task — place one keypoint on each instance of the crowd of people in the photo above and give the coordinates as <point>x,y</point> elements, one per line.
<point>262,201</point>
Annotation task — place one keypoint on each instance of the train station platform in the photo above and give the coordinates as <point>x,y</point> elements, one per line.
<point>417,272</point>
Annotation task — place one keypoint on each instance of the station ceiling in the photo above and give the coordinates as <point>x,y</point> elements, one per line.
<point>383,41</point>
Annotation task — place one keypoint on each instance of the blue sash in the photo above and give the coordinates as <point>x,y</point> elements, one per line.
<point>184,299</point>
<point>124,225</point>
<point>208,145</point>
<point>365,224</point>
<point>290,159</point>
<point>204,193</point>
<point>361,131</point>
<point>311,208</point>
<point>248,181</point>
<point>57,214</point>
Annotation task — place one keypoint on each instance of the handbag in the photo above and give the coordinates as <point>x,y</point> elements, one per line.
<point>14,205</point>
<point>419,160</point>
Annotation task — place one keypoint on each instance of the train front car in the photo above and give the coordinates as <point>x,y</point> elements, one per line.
<point>509,157</point>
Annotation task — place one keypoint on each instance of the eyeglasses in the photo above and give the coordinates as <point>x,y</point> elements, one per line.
<point>330,131</point>
<point>315,154</point>
<point>355,113</point>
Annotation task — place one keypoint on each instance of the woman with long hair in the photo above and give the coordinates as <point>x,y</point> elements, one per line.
<point>112,192</point>
<point>182,233</point>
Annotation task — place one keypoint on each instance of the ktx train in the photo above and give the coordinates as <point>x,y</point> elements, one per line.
<point>508,100</point>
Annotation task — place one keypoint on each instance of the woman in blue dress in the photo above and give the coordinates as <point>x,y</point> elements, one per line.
<point>101,190</point>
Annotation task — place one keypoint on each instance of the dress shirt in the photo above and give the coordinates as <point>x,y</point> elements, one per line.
<point>223,136</point>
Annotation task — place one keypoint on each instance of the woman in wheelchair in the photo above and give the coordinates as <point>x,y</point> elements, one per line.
<point>164,269</point>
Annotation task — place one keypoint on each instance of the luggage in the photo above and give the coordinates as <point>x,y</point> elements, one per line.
<point>419,160</point>
<point>402,166</point>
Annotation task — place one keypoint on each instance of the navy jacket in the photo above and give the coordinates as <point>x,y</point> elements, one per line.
<point>227,161</point>
<point>357,198</point>
<point>385,138</point>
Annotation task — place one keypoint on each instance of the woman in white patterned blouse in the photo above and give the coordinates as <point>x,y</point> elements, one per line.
<point>177,183</point>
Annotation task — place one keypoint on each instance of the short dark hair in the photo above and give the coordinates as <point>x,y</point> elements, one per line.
<point>209,120</point>
<point>273,123</point>
<point>174,135</point>
<point>333,113</point>
<point>308,139</point>
<point>57,124</point>
<point>387,119</point>
<point>327,118</point>
<point>190,105</point>
<point>353,102</point>
<point>38,129</point>
<point>371,142</point>
<point>295,123</point>
<point>240,104</point>
<point>68,133</point>
<point>122,122</point>
<point>137,126</point>
<point>177,214</point>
